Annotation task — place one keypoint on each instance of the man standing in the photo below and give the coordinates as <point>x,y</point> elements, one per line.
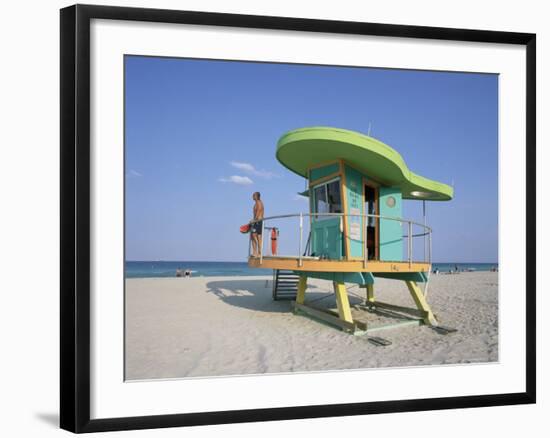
<point>256,227</point>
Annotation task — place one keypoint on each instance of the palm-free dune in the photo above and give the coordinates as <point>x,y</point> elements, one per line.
<point>218,326</point>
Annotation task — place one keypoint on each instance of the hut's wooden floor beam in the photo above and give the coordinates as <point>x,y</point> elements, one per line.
<point>315,265</point>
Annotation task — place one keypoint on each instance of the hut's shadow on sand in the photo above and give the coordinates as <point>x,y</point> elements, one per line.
<point>249,294</point>
<point>257,295</point>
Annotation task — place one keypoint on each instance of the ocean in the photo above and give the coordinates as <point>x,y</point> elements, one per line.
<point>144,269</point>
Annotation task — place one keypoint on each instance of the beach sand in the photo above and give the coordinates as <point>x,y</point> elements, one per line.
<point>215,326</point>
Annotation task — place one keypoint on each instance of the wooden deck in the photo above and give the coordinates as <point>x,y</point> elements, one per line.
<point>316,265</point>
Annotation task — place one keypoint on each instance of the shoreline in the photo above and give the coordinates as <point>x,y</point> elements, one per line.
<point>270,275</point>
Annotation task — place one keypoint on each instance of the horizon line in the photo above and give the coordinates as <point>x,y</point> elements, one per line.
<point>245,261</point>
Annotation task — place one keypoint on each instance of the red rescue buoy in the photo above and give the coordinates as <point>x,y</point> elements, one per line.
<point>274,235</point>
<point>245,228</point>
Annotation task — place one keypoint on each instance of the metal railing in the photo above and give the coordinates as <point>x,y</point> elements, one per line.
<point>426,233</point>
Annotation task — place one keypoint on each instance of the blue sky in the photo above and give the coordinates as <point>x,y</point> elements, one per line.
<point>201,137</point>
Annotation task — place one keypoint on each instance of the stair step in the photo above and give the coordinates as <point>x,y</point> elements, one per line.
<point>285,285</point>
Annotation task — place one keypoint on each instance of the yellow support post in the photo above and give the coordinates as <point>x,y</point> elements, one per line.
<point>302,284</point>
<point>421,303</point>
<point>342,302</point>
<point>370,293</point>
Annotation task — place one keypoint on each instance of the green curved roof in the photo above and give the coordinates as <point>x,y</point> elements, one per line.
<point>300,149</point>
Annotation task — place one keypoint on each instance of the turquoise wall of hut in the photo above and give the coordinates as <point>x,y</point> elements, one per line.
<point>391,232</point>
<point>335,238</point>
<point>355,205</point>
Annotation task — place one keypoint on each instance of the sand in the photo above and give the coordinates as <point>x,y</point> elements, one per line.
<point>215,326</point>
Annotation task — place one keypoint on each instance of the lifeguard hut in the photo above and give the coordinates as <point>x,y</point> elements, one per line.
<point>355,231</point>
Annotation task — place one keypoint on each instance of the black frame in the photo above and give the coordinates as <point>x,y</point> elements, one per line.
<point>75,214</point>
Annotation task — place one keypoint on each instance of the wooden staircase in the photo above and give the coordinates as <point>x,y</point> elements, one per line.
<point>285,284</point>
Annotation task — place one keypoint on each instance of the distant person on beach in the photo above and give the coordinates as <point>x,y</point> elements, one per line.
<point>256,227</point>
<point>187,273</point>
